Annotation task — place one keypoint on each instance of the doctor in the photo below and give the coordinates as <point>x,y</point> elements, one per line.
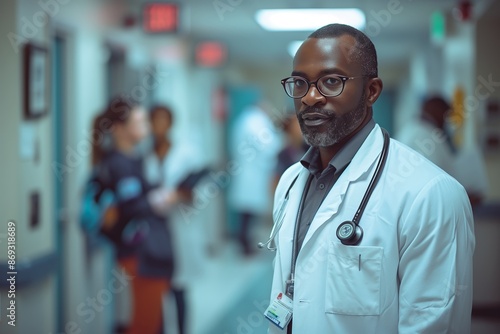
<point>411,272</point>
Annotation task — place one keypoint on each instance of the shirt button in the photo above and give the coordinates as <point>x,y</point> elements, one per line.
<point>321,186</point>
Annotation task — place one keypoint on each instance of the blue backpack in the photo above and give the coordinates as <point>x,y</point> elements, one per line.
<point>96,199</point>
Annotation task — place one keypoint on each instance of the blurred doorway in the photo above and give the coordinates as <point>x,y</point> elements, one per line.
<point>383,110</point>
<point>59,83</point>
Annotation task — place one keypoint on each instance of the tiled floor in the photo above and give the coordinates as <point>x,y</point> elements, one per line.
<point>218,299</point>
<point>221,298</point>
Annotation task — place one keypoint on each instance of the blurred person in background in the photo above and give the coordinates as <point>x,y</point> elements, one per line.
<point>168,165</point>
<point>253,147</point>
<point>133,224</point>
<point>430,136</point>
<point>294,149</point>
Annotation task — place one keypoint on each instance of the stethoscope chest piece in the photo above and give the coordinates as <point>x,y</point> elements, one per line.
<point>349,233</point>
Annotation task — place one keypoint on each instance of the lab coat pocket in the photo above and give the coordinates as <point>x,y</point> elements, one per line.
<point>353,280</point>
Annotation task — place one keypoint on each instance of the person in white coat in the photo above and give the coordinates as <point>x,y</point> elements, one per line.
<point>427,134</point>
<point>254,149</point>
<point>410,271</point>
<point>169,163</point>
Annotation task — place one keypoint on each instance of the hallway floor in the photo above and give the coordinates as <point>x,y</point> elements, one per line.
<point>230,296</point>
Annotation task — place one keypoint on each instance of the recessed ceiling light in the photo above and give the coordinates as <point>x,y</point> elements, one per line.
<point>308,19</point>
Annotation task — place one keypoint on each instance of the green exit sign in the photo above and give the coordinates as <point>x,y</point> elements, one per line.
<point>438,26</point>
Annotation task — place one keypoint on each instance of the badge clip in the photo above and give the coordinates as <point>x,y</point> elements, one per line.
<point>280,311</point>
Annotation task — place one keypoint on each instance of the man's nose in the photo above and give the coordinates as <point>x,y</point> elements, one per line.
<point>313,96</point>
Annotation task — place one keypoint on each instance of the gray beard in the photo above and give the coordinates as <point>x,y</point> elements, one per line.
<point>337,129</point>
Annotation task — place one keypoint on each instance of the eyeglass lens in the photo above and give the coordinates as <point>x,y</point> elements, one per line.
<point>330,85</point>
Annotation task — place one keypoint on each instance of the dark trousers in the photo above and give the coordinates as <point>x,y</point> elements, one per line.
<point>180,302</point>
<point>246,219</point>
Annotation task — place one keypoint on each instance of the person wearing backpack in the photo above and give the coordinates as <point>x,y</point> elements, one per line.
<point>132,220</point>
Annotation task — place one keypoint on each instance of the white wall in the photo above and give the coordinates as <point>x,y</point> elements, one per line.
<point>21,176</point>
<point>410,91</point>
<point>87,86</point>
<point>85,95</point>
<point>11,115</point>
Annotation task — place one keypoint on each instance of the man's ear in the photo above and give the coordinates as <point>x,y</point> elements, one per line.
<point>374,88</point>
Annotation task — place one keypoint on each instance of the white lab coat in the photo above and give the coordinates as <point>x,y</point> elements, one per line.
<point>254,151</point>
<point>415,273</point>
<point>429,141</point>
<point>187,232</point>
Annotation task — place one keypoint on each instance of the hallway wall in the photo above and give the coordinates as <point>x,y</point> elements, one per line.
<point>487,67</point>
<point>21,20</point>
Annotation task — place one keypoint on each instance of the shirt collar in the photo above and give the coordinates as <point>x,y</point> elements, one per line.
<point>312,161</point>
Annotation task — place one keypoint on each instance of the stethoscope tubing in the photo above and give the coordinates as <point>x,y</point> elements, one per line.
<point>281,218</point>
<point>357,216</point>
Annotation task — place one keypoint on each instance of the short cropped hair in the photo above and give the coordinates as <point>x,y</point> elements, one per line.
<point>436,103</point>
<point>364,52</point>
<point>158,108</point>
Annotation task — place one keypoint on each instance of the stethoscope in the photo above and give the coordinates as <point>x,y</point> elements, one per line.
<point>349,232</point>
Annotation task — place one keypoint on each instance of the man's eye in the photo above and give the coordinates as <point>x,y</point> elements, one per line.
<point>331,81</point>
<point>299,82</point>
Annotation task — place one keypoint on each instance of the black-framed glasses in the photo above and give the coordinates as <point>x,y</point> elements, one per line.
<point>330,85</point>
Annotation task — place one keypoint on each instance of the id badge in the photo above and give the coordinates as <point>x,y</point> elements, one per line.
<point>280,311</point>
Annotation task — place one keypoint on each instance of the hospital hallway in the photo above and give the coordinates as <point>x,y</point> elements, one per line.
<point>145,144</point>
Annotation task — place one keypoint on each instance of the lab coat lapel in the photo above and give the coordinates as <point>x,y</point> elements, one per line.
<point>360,164</point>
<point>285,236</point>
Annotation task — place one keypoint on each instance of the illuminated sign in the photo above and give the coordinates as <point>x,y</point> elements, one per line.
<point>160,17</point>
<point>210,54</point>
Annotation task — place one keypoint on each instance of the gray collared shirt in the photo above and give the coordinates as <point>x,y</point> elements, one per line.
<point>321,182</point>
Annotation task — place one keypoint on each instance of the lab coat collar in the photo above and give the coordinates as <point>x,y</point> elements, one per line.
<point>362,162</point>
<point>312,160</point>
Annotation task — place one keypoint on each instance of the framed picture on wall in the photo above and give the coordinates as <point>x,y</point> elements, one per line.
<point>36,81</point>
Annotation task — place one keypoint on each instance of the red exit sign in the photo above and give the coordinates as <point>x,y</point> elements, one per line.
<point>160,17</point>
<point>210,54</point>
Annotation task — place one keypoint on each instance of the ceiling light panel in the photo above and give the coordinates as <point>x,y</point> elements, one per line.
<point>308,19</point>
